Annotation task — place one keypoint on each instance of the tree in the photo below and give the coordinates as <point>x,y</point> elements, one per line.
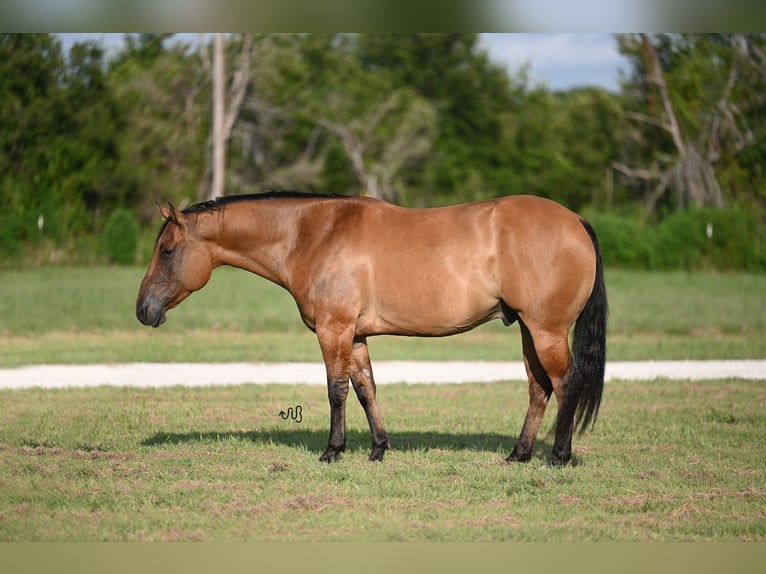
<point>224,117</point>
<point>274,142</point>
<point>165,103</point>
<point>475,101</point>
<point>309,92</point>
<point>689,87</point>
<point>389,135</point>
<point>58,144</point>
<point>31,69</point>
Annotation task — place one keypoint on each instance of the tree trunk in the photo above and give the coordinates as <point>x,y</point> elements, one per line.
<point>219,141</point>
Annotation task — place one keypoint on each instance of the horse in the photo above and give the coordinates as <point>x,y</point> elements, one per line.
<point>359,267</point>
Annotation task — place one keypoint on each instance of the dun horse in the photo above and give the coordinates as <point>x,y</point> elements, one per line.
<point>359,267</point>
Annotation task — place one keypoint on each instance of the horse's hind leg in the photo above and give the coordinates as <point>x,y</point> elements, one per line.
<point>546,358</point>
<point>540,390</point>
<point>364,386</point>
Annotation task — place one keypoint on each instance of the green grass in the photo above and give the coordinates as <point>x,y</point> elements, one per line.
<point>666,461</point>
<point>80,315</point>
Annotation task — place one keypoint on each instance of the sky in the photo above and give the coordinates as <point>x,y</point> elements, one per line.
<point>560,61</point>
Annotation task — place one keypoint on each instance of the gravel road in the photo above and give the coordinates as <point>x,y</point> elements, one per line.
<point>203,374</point>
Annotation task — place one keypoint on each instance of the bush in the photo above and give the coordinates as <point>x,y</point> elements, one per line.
<point>737,240</point>
<point>121,237</point>
<point>623,239</point>
<point>680,241</point>
<point>9,245</point>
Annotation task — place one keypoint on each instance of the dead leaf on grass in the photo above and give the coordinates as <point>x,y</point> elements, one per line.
<point>278,466</point>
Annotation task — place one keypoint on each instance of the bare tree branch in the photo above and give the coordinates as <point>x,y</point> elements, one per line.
<point>353,147</point>
<point>713,142</point>
<point>635,172</point>
<point>655,76</point>
<point>239,85</point>
<point>659,190</point>
<point>647,119</point>
<point>377,158</point>
<point>691,175</point>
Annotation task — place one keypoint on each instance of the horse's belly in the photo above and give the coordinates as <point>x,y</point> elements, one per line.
<point>409,315</point>
<point>425,293</point>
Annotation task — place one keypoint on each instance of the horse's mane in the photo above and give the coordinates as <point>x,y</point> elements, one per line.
<point>221,202</point>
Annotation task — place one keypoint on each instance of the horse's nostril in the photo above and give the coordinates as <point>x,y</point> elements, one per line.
<point>141,312</point>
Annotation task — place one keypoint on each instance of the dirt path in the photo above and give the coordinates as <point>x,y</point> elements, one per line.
<point>202,374</point>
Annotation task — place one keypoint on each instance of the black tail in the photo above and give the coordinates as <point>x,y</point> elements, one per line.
<point>586,378</point>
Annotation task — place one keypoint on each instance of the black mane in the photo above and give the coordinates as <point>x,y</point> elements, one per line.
<point>220,202</point>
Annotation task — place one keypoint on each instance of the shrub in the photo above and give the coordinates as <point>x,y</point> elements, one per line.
<point>737,240</point>
<point>121,237</point>
<point>679,241</point>
<point>623,239</point>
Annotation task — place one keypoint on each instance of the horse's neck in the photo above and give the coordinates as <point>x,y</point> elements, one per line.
<point>252,236</point>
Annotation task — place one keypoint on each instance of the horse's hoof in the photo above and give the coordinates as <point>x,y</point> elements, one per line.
<point>330,455</point>
<point>377,455</point>
<point>516,456</point>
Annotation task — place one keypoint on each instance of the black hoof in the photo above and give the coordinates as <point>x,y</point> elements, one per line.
<point>377,454</point>
<point>379,449</point>
<point>560,456</point>
<point>555,462</point>
<point>330,455</point>
<point>517,456</point>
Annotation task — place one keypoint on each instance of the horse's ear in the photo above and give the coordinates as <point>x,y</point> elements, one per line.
<point>170,213</point>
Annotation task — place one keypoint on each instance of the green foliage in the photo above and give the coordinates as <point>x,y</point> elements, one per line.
<point>715,86</point>
<point>58,143</point>
<point>163,99</point>
<point>698,238</point>
<point>423,119</point>
<point>121,237</point>
<point>622,239</point>
<point>337,174</point>
<point>474,98</point>
<point>562,143</point>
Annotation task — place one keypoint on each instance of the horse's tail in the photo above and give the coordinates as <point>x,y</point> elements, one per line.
<point>586,378</point>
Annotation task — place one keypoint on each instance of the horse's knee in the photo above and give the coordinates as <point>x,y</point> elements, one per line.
<point>337,391</point>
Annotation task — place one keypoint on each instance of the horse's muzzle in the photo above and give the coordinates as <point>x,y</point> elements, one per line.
<point>150,315</point>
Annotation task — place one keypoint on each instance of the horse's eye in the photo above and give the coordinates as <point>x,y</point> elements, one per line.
<point>165,252</point>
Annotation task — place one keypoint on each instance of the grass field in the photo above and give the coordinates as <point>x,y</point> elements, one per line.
<point>81,315</point>
<point>666,461</point>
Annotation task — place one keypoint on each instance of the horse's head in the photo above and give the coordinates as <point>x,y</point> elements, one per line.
<point>180,265</point>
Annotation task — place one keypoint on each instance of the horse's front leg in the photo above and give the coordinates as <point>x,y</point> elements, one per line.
<point>336,348</point>
<point>364,385</point>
